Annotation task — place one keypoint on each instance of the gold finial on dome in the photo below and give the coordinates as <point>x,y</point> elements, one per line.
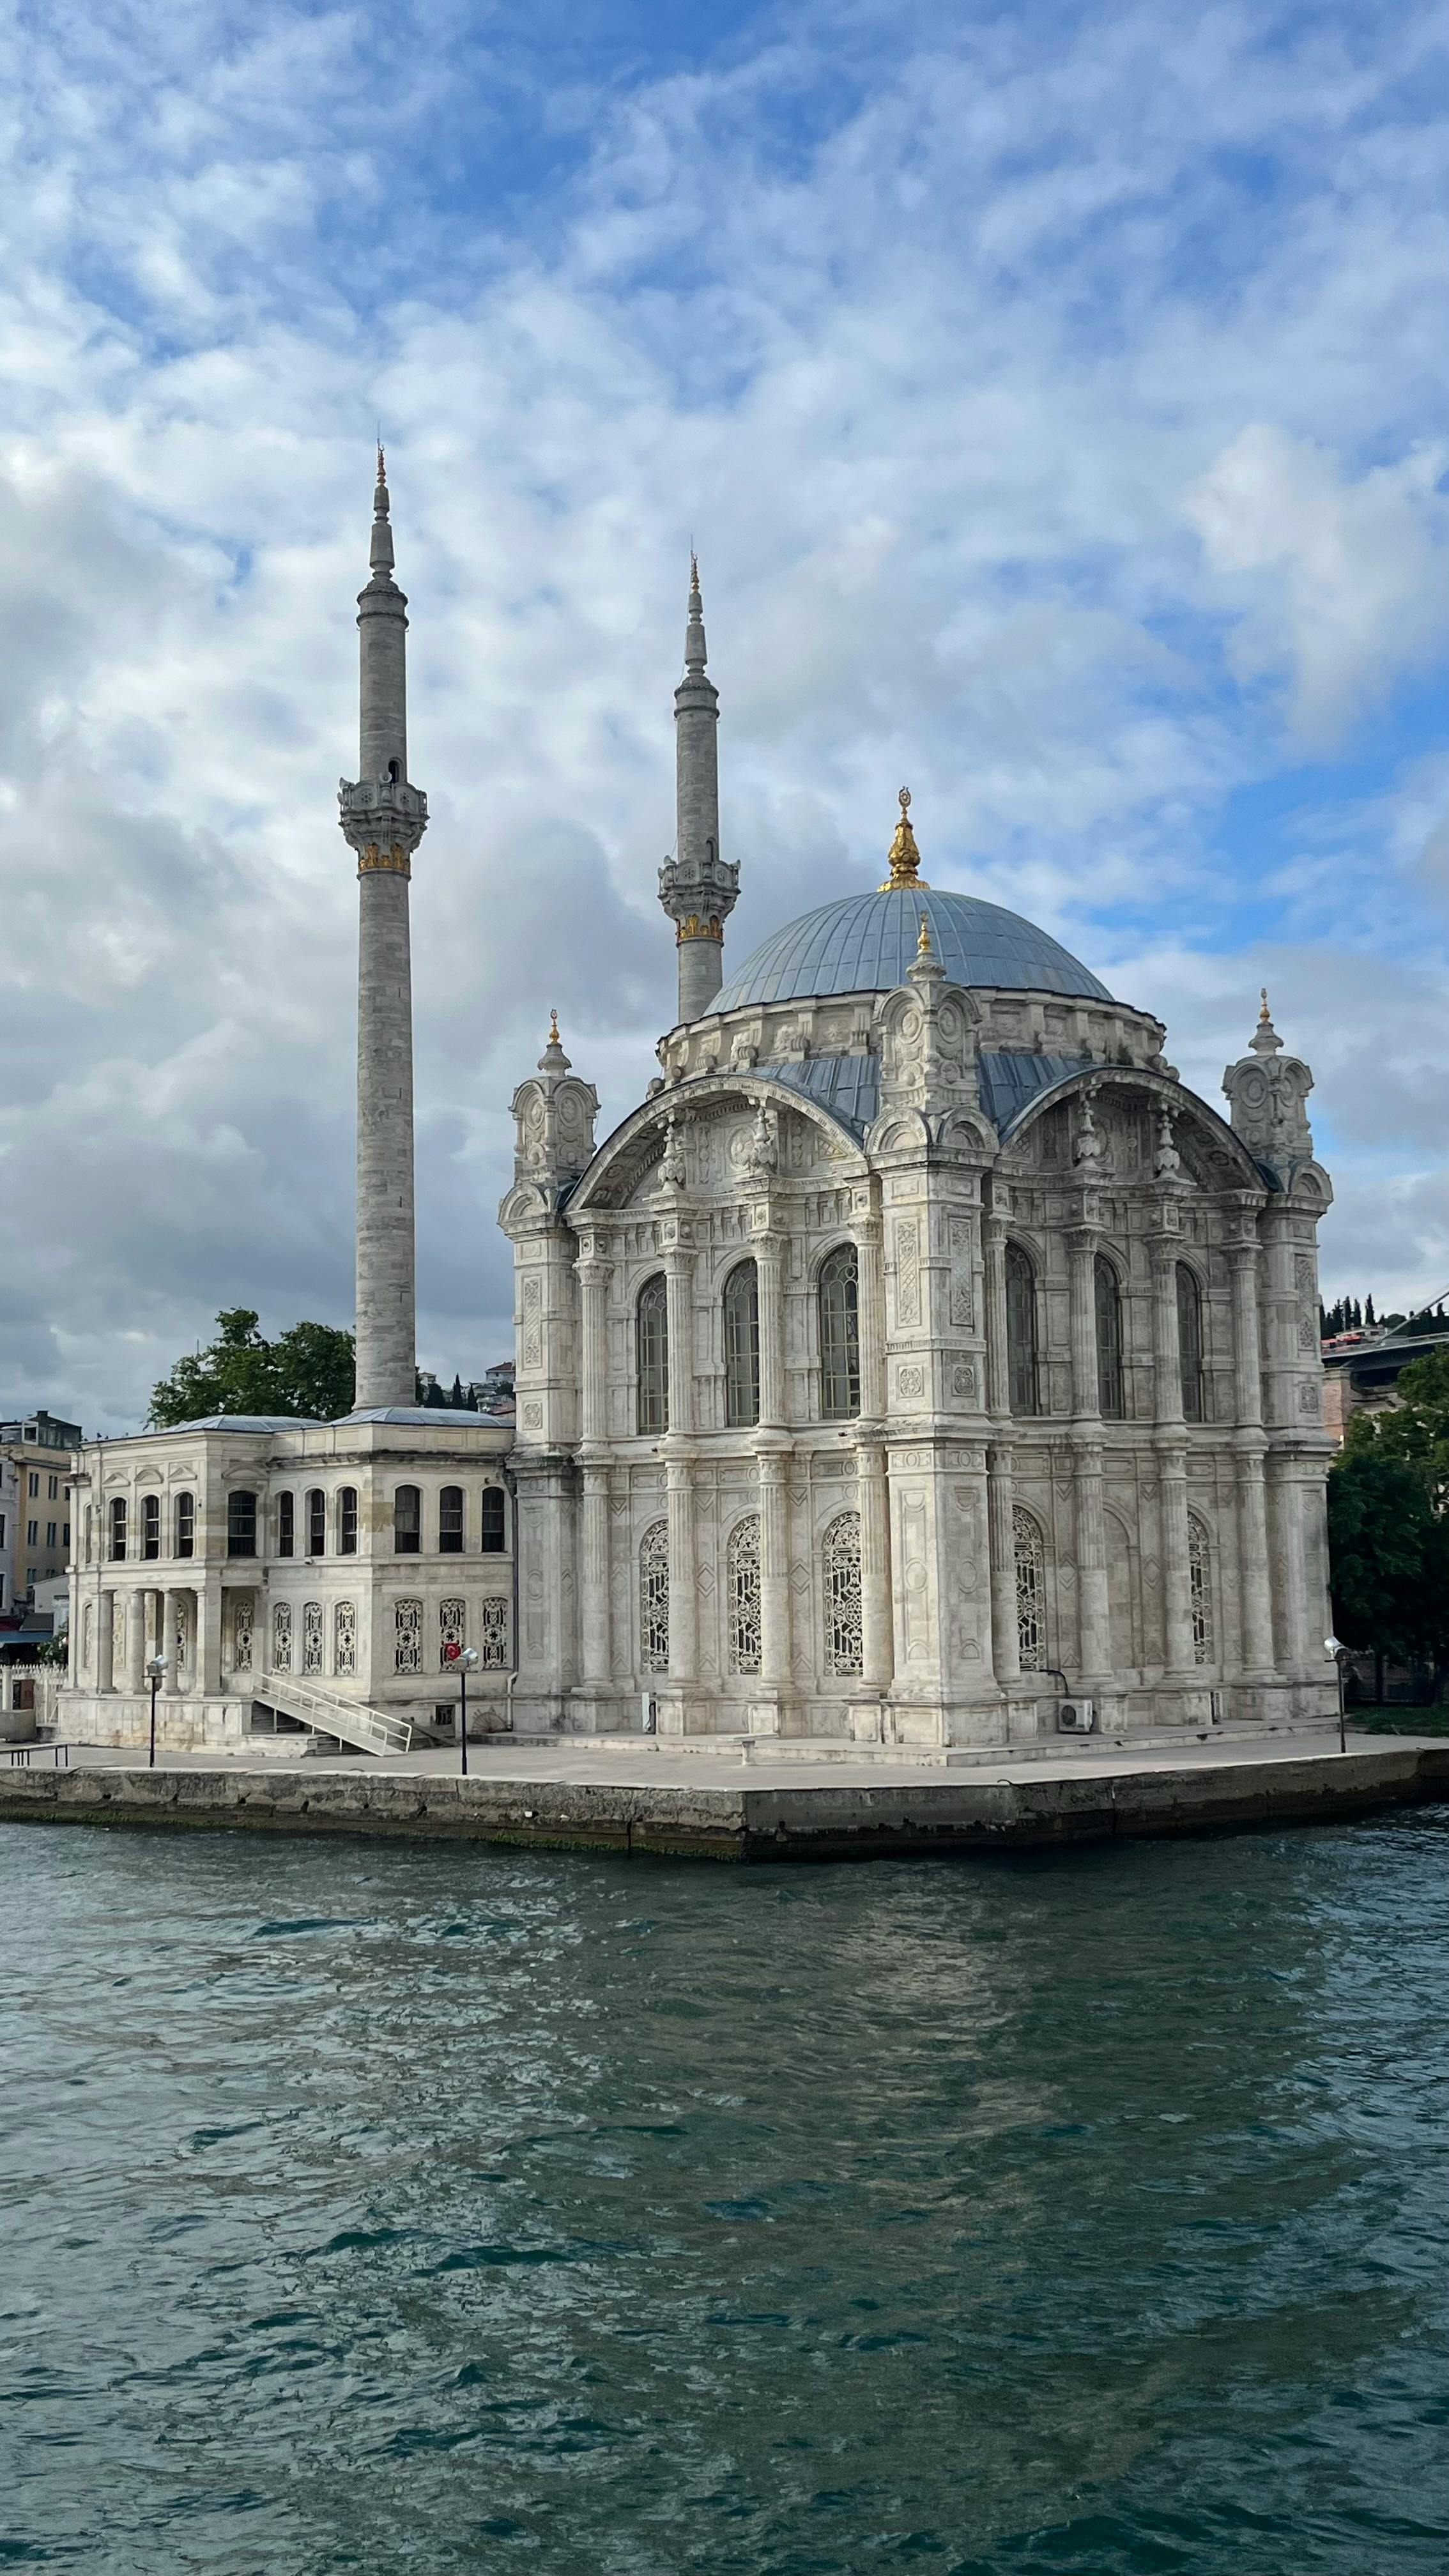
<point>553,1035</point>
<point>923,944</point>
<point>905,858</point>
<point>1264,1014</point>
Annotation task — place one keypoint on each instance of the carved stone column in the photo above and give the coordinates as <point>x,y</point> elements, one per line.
<point>998,1385</point>
<point>171,1618</point>
<point>1091,1532</point>
<point>206,1634</point>
<point>1005,1635</point>
<point>770,1276</point>
<point>877,1623</point>
<point>594,1275</point>
<point>683,1608</point>
<point>135,1640</point>
<point>1255,1581</point>
<point>106,1642</point>
<point>1247,1366</point>
<point>1166,1355</point>
<point>774,1498</point>
<point>1171,1455</point>
<point>1082,1260</point>
<point>679,1290</point>
<point>870,1303</point>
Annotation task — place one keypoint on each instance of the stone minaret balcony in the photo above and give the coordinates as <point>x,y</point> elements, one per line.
<point>697,887</point>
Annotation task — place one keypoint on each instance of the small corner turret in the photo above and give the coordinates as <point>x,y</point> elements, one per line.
<point>697,887</point>
<point>553,1117</point>
<point>1267,1092</point>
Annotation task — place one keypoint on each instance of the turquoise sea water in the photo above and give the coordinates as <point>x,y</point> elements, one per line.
<point>379,2208</point>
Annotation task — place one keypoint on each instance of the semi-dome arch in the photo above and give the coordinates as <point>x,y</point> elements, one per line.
<point>625,1156</point>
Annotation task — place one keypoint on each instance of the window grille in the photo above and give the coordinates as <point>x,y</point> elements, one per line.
<point>311,1636</point>
<point>347,1521</point>
<point>742,1346</point>
<point>844,1648</point>
<point>1111,1401</point>
<point>408,1633</point>
<point>118,1528</point>
<point>407,1524</point>
<point>186,1524</point>
<point>344,1640</point>
<point>452,1632</point>
<point>654,1598</point>
<point>1200,1589</point>
<point>839,1303</point>
<point>1030,1591</point>
<point>150,1525</point>
<point>286,1523</point>
<point>241,1634</point>
<point>1189,1341</point>
<point>450,1520</point>
<point>316,1522</point>
<point>241,1524</point>
<point>742,1569</point>
<point>651,1336</point>
<point>493,1636</point>
<point>282,1637</point>
<point>1023,1374</point>
<point>493,1534</point>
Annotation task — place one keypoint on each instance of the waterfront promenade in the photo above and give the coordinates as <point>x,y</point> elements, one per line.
<point>740,1800</point>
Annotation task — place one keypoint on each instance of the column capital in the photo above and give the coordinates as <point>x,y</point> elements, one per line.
<point>1084,1239</point>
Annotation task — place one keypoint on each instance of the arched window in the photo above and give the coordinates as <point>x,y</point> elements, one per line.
<point>241,1633</point>
<point>742,1346</point>
<point>452,1632</point>
<point>651,1340</point>
<point>844,1644</point>
<point>282,1637</point>
<point>450,1521</point>
<point>311,1636</point>
<point>241,1524</point>
<point>151,1525</point>
<point>493,1624</point>
<point>347,1521</point>
<point>1200,1589</point>
<point>186,1524</point>
<point>1030,1591</point>
<point>1189,1341</point>
<point>286,1524</point>
<point>494,1534</point>
<point>1111,1402</point>
<point>407,1527</point>
<point>408,1637</point>
<point>316,1522</point>
<point>839,1294</point>
<point>1023,1380</point>
<point>742,1606</point>
<point>654,1598</point>
<point>118,1528</point>
<point>344,1640</point>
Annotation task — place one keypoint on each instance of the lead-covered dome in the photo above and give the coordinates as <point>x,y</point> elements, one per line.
<point>865,943</point>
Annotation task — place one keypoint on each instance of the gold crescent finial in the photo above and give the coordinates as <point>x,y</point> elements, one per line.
<point>905,858</point>
<point>923,944</point>
<point>553,1035</point>
<point>1263,1013</point>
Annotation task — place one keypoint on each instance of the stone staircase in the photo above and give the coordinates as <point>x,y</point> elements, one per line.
<point>331,1712</point>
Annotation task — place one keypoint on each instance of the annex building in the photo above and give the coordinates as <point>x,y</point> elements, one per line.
<point>918,1360</point>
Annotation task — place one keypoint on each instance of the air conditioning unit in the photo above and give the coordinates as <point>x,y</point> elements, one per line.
<point>1076,1717</point>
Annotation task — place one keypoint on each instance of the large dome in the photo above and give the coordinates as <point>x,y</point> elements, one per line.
<point>865,943</point>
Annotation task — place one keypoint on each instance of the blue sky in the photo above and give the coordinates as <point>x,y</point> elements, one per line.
<point>1057,400</point>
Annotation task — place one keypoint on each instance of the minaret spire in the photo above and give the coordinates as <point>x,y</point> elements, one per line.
<point>383,819</point>
<point>697,887</point>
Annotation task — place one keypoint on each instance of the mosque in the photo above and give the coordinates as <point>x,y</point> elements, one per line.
<point>920,1363</point>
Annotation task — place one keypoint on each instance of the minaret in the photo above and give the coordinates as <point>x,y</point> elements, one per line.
<point>384,819</point>
<point>697,887</point>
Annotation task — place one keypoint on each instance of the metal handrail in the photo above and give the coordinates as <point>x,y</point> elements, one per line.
<point>332,1713</point>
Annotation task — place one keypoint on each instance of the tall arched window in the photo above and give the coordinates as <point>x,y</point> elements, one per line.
<point>452,1632</point>
<point>651,1351</point>
<point>1189,1341</point>
<point>742,1571</point>
<point>118,1529</point>
<point>282,1637</point>
<point>839,1295</point>
<point>844,1643</point>
<point>344,1640</point>
<point>151,1525</point>
<point>347,1521</point>
<point>316,1522</point>
<point>1022,1376</point>
<point>1200,1588</point>
<point>493,1532</point>
<point>1030,1557</point>
<point>742,1346</point>
<point>407,1524</point>
<point>241,1524</point>
<point>311,1636</point>
<point>450,1521</point>
<point>654,1598</point>
<point>1111,1403</point>
<point>286,1523</point>
<point>186,1524</point>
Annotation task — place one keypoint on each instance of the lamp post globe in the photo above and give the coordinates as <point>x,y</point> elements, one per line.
<point>466,1663</point>
<point>1334,1646</point>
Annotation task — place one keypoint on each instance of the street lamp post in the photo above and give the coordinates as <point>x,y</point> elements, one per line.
<point>1332,1646</point>
<point>468,1662</point>
<point>155,1669</point>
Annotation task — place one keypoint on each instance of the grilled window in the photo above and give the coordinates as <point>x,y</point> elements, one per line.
<point>844,1640</point>
<point>1030,1591</point>
<point>654,1598</point>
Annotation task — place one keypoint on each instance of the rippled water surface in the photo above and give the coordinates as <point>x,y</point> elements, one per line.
<point>379,2208</point>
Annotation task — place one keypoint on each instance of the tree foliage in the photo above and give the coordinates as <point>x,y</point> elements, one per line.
<point>307,1373</point>
<point>1388,1522</point>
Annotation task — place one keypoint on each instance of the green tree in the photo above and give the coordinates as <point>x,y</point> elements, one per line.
<point>307,1373</point>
